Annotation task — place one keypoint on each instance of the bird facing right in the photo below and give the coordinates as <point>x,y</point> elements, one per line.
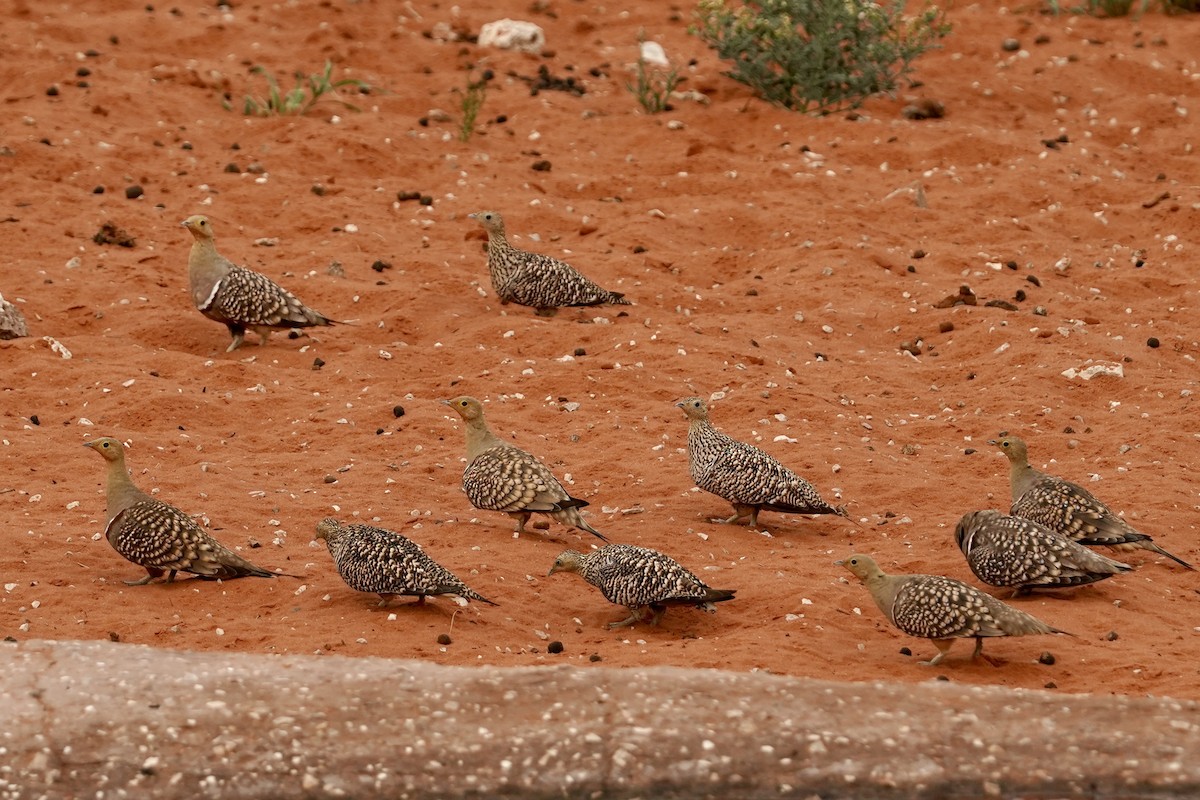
<point>371,559</point>
<point>1067,507</point>
<point>534,279</point>
<point>503,477</point>
<point>644,580</point>
<point>1020,554</point>
<point>239,298</point>
<point>157,536</point>
<point>750,479</point>
<point>942,609</point>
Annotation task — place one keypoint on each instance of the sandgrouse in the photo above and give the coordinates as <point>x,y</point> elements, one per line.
<point>371,559</point>
<point>502,477</point>
<point>534,279</point>
<point>644,580</point>
<point>942,609</point>
<point>1066,507</point>
<point>747,477</point>
<point>157,536</point>
<point>239,298</point>
<point>1020,554</point>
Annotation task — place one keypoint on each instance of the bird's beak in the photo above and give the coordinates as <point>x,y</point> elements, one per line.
<point>184,223</point>
<point>473,215</point>
<point>553,570</point>
<point>840,563</point>
<point>993,441</point>
<point>444,402</point>
<point>88,444</point>
<point>679,404</point>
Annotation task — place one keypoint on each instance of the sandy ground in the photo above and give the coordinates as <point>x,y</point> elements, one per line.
<point>777,262</point>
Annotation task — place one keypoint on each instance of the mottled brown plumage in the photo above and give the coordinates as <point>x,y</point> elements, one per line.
<point>158,536</point>
<point>502,477</point>
<point>747,477</point>
<point>1067,507</point>
<point>1022,555</point>
<point>371,559</point>
<point>942,609</point>
<point>644,580</point>
<point>239,298</point>
<point>536,280</point>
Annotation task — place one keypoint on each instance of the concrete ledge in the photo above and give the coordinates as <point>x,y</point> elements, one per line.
<point>102,720</point>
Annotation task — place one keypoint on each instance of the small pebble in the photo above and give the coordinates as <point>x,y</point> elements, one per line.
<point>1111,636</point>
<point>554,647</point>
<point>1010,45</point>
<point>443,638</point>
<point>318,363</point>
<point>1051,685</point>
<point>398,411</point>
<point>1152,342</point>
<point>904,651</point>
<point>133,192</point>
<point>1046,658</point>
<point>594,657</point>
<point>579,351</point>
<point>945,327</point>
<point>330,479</point>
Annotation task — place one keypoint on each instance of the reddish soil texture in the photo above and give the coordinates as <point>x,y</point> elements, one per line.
<point>778,263</point>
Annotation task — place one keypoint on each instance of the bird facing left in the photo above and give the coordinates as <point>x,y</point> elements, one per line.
<point>158,536</point>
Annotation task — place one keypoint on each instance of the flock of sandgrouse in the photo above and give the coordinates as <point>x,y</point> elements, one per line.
<point>1040,546</point>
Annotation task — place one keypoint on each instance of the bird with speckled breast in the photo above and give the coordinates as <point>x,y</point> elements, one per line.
<point>158,536</point>
<point>942,609</point>
<point>536,280</point>
<point>750,479</point>
<point>240,298</point>
<point>503,477</point>
<point>1067,507</point>
<point>1019,554</point>
<point>391,565</point>
<point>646,581</point>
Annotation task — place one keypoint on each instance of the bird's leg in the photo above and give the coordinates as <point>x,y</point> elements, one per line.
<point>236,343</point>
<point>656,613</point>
<point>420,600</point>
<point>385,598</point>
<point>943,646</point>
<point>151,574</point>
<point>754,517</point>
<point>634,616</point>
<point>546,312</point>
<point>263,334</point>
<point>171,576</point>
<point>522,518</point>
<point>739,511</point>
<point>995,662</point>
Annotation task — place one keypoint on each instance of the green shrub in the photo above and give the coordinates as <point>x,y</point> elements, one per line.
<point>818,55</point>
<point>653,86</point>
<point>303,96</point>
<point>471,102</point>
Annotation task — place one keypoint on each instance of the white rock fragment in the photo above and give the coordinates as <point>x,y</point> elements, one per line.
<point>1095,370</point>
<point>653,53</point>
<point>513,34</point>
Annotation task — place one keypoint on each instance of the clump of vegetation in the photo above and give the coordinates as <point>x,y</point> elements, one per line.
<point>308,91</point>
<point>654,85</point>
<point>472,101</point>
<point>818,55</point>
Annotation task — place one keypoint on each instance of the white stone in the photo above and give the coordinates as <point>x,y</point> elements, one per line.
<point>513,34</point>
<point>653,53</point>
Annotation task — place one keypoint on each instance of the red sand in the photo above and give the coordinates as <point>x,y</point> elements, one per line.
<point>775,274</point>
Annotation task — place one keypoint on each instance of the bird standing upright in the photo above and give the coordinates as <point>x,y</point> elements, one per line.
<point>747,477</point>
<point>534,279</point>
<point>942,609</point>
<point>237,297</point>
<point>1067,507</point>
<point>502,477</point>
<point>157,536</point>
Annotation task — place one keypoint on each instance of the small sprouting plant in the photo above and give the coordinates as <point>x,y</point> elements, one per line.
<point>472,101</point>
<point>818,55</point>
<point>308,91</point>
<point>653,86</point>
